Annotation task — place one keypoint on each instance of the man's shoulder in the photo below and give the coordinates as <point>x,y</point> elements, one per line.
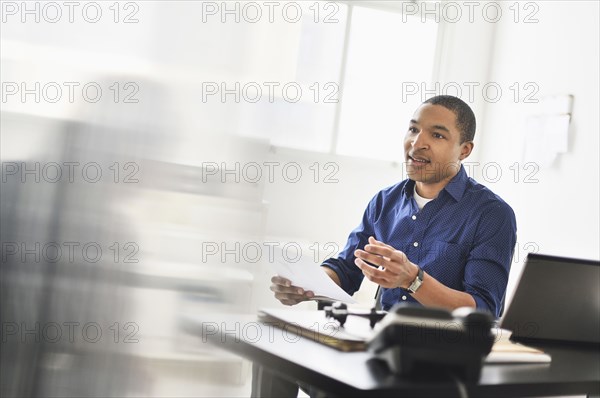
<point>393,190</point>
<point>389,196</point>
<point>485,198</point>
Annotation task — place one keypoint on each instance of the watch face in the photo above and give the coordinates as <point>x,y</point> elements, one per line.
<point>414,287</point>
<point>417,282</point>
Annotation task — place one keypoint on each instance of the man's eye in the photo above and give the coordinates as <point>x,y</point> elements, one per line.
<point>413,130</point>
<point>438,136</point>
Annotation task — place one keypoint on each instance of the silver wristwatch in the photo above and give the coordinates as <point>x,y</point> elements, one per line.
<point>416,284</point>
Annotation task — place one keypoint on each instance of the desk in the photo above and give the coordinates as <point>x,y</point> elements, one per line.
<point>572,371</point>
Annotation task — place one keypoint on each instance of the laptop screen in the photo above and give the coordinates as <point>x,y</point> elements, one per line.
<point>556,298</point>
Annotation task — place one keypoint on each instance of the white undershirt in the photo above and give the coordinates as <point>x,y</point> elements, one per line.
<point>421,201</point>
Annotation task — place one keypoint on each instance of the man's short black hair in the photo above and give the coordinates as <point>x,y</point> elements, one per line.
<point>465,118</point>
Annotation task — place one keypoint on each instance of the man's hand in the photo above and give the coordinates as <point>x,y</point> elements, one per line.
<point>397,270</point>
<point>288,294</point>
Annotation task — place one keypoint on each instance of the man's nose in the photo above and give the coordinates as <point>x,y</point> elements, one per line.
<point>419,141</point>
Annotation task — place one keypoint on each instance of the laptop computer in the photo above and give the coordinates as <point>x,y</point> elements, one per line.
<point>556,299</point>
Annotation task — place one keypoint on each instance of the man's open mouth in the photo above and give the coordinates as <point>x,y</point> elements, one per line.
<point>418,159</point>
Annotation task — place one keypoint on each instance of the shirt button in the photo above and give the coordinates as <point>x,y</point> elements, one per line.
<point>416,244</point>
<point>414,217</point>
<point>403,297</point>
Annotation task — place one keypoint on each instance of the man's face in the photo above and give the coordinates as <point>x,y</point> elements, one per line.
<point>432,147</point>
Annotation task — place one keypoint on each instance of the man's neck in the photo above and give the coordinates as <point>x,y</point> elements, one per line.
<point>430,190</point>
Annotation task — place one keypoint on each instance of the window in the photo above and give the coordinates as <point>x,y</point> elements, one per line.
<point>361,62</point>
<point>384,53</point>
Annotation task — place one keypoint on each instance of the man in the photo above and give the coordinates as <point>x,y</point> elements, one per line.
<point>437,238</point>
<point>438,221</point>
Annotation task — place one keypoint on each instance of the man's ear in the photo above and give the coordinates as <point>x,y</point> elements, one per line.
<point>466,149</point>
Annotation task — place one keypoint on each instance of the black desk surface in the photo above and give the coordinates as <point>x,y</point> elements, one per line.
<point>573,370</point>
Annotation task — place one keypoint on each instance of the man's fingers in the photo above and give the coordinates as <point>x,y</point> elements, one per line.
<point>384,277</point>
<point>287,296</point>
<point>375,259</point>
<point>286,289</point>
<point>374,241</point>
<point>375,272</point>
<point>283,285</point>
<point>366,268</point>
<point>385,251</point>
<point>292,298</point>
<point>287,293</point>
<point>379,250</point>
<point>281,281</point>
<point>372,258</point>
<point>381,277</point>
<point>283,299</point>
<point>305,295</point>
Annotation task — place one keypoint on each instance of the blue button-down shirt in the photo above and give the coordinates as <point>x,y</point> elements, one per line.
<point>464,238</point>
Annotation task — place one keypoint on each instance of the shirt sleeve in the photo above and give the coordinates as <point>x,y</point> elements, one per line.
<point>350,275</point>
<point>488,263</point>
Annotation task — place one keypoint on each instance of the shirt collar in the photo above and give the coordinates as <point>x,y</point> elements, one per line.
<point>458,184</point>
<point>455,188</point>
<point>409,188</point>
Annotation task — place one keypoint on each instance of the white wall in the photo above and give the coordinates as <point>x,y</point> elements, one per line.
<point>559,214</point>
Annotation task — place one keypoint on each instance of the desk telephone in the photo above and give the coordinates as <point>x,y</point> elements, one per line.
<point>413,339</point>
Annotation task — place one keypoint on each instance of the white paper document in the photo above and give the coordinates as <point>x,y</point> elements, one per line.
<point>308,275</point>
